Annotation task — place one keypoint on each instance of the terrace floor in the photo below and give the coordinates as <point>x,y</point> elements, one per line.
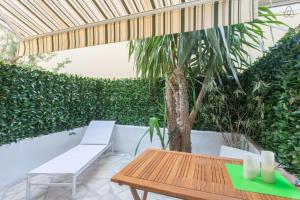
<point>93,184</point>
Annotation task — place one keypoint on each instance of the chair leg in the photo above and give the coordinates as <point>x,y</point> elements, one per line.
<point>112,148</point>
<point>74,188</point>
<point>51,178</point>
<point>28,188</point>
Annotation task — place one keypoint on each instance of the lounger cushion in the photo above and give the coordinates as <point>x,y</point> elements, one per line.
<point>98,132</point>
<point>71,161</point>
<point>230,152</point>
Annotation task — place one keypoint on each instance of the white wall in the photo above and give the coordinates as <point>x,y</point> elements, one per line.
<point>125,139</point>
<point>103,61</point>
<point>19,158</point>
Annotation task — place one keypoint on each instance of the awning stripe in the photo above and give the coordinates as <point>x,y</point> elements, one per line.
<point>52,25</point>
<point>18,21</point>
<point>275,3</point>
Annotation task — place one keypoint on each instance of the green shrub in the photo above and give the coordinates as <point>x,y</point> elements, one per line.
<point>130,101</point>
<point>279,70</point>
<point>268,106</point>
<point>35,102</point>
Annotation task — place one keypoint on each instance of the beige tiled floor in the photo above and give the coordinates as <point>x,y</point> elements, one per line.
<point>93,184</point>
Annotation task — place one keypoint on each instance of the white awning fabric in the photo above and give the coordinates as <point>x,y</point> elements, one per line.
<point>276,3</point>
<point>52,25</point>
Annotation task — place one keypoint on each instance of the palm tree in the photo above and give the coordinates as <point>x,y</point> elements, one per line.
<point>183,58</point>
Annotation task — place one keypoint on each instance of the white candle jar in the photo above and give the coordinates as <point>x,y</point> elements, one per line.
<point>251,167</point>
<point>267,166</point>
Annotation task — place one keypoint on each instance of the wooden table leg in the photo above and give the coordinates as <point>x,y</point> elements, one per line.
<point>136,195</point>
<point>145,195</point>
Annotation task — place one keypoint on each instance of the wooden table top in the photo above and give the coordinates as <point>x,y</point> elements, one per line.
<point>183,175</point>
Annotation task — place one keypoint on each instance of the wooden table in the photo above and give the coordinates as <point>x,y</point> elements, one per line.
<point>182,175</point>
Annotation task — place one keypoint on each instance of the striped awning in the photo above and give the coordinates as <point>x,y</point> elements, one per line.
<point>53,25</point>
<point>275,3</point>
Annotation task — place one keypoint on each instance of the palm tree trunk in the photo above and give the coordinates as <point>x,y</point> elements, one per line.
<point>174,136</point>
<point>183,107</point>
<point>180,121</point>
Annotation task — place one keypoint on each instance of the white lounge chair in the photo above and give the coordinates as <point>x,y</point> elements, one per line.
<point>230,152</point>
<point>95,142</point>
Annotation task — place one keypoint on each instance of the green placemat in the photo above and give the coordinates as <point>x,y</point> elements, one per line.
<point>282,187</point>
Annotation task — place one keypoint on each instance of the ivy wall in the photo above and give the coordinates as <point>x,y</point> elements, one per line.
<point>34,102</point>
<point>279,73</point>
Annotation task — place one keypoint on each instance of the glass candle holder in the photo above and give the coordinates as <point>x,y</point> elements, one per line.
<point>251,167</point>
<point>267,166</point>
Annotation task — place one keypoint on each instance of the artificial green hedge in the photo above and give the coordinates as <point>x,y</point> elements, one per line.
<point>130,101</point>
<point>279,70</point>
<point>35,102</point>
